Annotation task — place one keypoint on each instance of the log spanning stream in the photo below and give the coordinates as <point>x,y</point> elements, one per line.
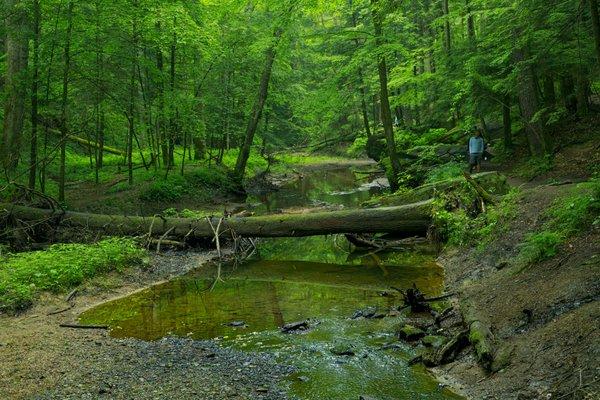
<point>295,279</point>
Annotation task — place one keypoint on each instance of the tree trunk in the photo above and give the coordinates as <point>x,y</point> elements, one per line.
<point>65,104</point>
<point>507,122</point>
<point>567,92</point>
<point>470,23</point>
<point>17,54</point>
<point>33,158</point>
<point>386,113</point>
<point>412,219</point>
<point>529,102</point>
<point>583,92</point>
<point>549,91</point>
<point>447,37</point>
<point>263,91</point>
<point>595,25</point>
<point>363,104</point>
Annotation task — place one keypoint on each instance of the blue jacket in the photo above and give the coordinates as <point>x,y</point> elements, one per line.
<point>476,145</point>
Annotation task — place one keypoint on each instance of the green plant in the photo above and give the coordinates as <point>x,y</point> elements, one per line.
<point>534,167</point>
<point>566,217</point>
<point>60,268</point>
<point>358,147</point>
<point>457,227</point>
<point>171,189</point>
<point>445,171</point>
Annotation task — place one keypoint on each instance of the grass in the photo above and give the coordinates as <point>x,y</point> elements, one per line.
<point>59,268</point>
<point>566,217</point>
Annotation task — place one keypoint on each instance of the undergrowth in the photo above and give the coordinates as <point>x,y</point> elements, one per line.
<point>565,218</point>
<point>459,221</point>
<point>59,268</point>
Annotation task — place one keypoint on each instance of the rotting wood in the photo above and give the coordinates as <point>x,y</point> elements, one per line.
<point>480,334</point>
<point>488,198</point>
<point>413,219</point>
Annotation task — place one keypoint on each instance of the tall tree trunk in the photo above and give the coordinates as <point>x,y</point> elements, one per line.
<point>470,23</point>
<point>507,121</point>
<point>447,33</point>
<point>363,103</point>
<point>595,25</point>
<point>528,99</point>
<point>567,92</point>
<point>263,91</point>
<point>549,91</point>
<point>33,158</point>
<point>132,92</point>
<point>17,54</point>
<point>583,92</point>
<point>386,113</point>
<point>173,123</point>
<point>65,103</point>
<point>53,46</point>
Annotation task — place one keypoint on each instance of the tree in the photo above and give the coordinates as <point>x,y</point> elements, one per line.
<point>17,56</point>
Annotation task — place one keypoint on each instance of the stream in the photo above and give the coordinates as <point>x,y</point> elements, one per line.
<point>295,279</point>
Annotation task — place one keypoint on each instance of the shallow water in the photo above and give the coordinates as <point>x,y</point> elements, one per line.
<point>297,279</point>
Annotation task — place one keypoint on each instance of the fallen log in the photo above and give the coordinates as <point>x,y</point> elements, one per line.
<point>491,182</point>
<point>412,219</point>
<point>480,334</point>
<point>89,143</point>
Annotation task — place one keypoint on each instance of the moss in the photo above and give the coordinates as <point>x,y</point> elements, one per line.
<point>410,333</point>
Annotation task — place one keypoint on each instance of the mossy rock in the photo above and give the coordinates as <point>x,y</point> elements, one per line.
<point>410,333</point>
<point>434,341</point>
<point>343,349</point>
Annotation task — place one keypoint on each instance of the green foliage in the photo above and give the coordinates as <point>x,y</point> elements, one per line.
<point>566,217</point>
<point>171,189</point>
<point>458,227</point>
<point>358,147</point>
<point>533,167</point>
<point>445,171</point>
<point>59,268</point>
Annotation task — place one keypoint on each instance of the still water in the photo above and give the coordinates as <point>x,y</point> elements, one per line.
<point>293,280</point>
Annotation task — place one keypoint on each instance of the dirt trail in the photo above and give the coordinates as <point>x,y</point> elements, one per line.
<point>545,318</point>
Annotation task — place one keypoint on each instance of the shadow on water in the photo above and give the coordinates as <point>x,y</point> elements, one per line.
<point>297,279</point>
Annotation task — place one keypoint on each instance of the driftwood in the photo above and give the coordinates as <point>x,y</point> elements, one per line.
<point>77,326</point>
<point>413,219</point>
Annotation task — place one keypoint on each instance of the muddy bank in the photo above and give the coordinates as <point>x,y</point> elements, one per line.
<point>544,320</point>
<point>42,360</point>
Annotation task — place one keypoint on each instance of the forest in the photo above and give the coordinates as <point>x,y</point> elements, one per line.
<point>273,199</point>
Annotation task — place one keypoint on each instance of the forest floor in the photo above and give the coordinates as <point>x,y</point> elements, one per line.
<point>41,360</point>
<point>544,318</point>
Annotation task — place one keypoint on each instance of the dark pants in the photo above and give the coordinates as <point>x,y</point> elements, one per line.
<point>475,160</point>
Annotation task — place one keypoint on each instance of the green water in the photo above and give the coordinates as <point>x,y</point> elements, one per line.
<point>293,280</point>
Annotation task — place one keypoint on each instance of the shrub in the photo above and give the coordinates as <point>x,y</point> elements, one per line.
<point>171,189</point>
<point>60,268</point>
<point>358,148</point>
<point>566,217</point>
<point>534,167</point>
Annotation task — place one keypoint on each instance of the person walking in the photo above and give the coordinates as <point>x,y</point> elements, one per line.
<point>476,148</point>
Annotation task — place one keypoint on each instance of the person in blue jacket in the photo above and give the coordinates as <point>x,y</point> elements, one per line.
<point>476,148</point>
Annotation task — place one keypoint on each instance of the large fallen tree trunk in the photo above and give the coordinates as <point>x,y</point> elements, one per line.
<point>412,219</point>
<point>90,143</point>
